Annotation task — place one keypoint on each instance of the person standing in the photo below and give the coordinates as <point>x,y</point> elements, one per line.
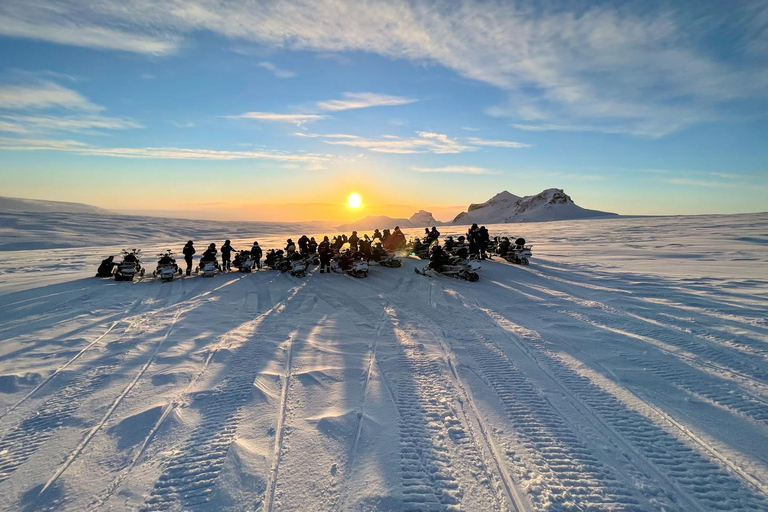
<point>256,254</point>
<point>325,252</point>
<point>226,256</point>
<point>189,251</point>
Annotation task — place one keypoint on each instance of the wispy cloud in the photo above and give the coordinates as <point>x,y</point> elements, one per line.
<point>455,169</point>
<point>496,143</point>
<point>24,144</point>
<point>278,72</point>
<point>699,183</point>
<point>425,142</point>
<point>81,123</point>
<point>353,100</point>
<point>41,96</point>
<point>297,119</point>
<point>618,69</point>
<point>188,124</point>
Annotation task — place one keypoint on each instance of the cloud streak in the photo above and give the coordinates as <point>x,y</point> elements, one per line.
<point>278,72</point>
<point>455,169</point>
<point>496,143</point>
<point>42,96</point>
<point>163,153</point>
<point>425,142</point>
<point>357,100</point>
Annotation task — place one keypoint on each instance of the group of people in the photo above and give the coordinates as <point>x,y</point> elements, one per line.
<point>344,249</point>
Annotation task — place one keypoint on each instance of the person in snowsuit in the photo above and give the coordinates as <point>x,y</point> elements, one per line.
<point>448,245</point>
<point>485,240</point>
<point>256,254</point>
<point>473,237</point>
<point>188,251</point>
<point>395,241</point>
<point>433,235</point>
<point>290,247</point>
<point>226,256</point>
<point>365,247</point>
<point>339,242</point>
<point>353,241</point>
<point>312,246</point>
<point>209,255</point>
<point>345,262</point>
<point>270,259</point>
<point>304,245</point>
<point>377,234</point>
<point>437,258</point>
<point>426,235</point>
<point>385,235</point>
<point>378,253</point>
<point>504,245</point>
<point>325,252</point>
<point>107,267</point>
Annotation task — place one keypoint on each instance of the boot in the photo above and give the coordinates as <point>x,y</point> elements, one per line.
<point>189,272</point>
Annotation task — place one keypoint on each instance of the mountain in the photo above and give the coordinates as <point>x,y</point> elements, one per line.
<point>551,204</point>
<point>419,219</point>
<point>19,205</point>
<point>422,219</point>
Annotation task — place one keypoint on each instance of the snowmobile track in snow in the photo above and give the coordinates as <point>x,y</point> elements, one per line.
<point>189,478</point>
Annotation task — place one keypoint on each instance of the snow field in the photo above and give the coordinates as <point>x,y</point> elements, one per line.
<point>597,378</point>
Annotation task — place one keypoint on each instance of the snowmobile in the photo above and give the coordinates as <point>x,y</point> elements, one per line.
<point>244,262</point>
<point>208,268</point>
<point>130,267</point>
<point>167,268</point>
<point>454,267</point>
<point>298,268</point>
<point>520,253</point>
<point>385,258</point>
<point>359,269</point>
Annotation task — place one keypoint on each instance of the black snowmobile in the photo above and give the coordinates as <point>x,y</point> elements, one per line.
<point>130,267</point>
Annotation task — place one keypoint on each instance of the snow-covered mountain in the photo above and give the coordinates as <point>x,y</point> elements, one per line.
<point>422,218</point>
<point>419,219</point>
<point>17,205</point>
<point>551,204</point>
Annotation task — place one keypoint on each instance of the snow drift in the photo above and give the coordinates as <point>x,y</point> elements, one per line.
<point>17,205</point>
<point>504,207</point>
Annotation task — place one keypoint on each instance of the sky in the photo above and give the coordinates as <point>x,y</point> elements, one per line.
<point>278,110</point>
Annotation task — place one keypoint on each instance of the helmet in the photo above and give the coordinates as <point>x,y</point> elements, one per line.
<point>325,238</point>
<point>226,241</point>
<point>212,245</point>
<point>289,241</point>
<point>255,243</point>
<point>190,242</point>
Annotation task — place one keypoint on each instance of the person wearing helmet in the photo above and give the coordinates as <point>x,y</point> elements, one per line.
<point>304,245</point>
<point>209,255</point>
<point>226,256</point>
<point>353,241</point>
<point>395,241</point>
<point>107,267</point>
<point>325,252</point>
<point>188,251</point>
<point>256,254</point>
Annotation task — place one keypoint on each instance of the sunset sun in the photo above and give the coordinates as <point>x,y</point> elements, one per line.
<point>354,200</point>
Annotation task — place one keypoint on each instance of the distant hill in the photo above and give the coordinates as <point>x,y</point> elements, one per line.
<point>19,205</point>
<point>548,205</point>
<point>419,219</point>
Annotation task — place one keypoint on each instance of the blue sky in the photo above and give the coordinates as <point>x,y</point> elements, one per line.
<point>257,109</point>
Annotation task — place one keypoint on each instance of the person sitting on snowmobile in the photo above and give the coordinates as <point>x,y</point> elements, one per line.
<point>290,247</point>
<point>209,255</point>
<point>504,245</point>
<point>226,253</point>
<point>256,254</point>
<point>377,252</point>
<point>189,251</point>
<point>433,235</point>
<point>353,240</point>
<point>426,235</point>
<point>473,236</point>
<point>296,256</point>
<point>448,245</point>
<point>437,258</point>
<point>325,252</point>
<point>131,257</point>
<point>304,245</point>
<point>166,259</point>
<point>106,267</point>
<point>417,246</point>
<point>312,246</point>
<point>395,241</point>
<point>339,242</point>
<point>376,234</point>
<point>385,235</point>
<point>345,261</point>
<point>237,261</point>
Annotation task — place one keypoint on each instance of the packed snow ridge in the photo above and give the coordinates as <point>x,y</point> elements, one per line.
<point>16,205</point>
<point>504,207</point>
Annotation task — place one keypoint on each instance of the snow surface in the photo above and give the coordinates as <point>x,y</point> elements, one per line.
<point>16,204</point>
<point>624,369</point>
<point>549,205</point>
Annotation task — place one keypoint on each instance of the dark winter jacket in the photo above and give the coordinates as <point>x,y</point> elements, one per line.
<point>226,251</point>
<point>188,250</point>
<point>256,252</point>
<point>106,267</point>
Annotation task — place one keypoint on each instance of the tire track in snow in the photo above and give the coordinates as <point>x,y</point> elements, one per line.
<point>189,478</point>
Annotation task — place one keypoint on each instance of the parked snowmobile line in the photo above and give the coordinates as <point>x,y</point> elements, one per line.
<point>130,267</point>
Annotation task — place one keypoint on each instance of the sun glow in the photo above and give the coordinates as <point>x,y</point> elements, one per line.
<point>354,201</point>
